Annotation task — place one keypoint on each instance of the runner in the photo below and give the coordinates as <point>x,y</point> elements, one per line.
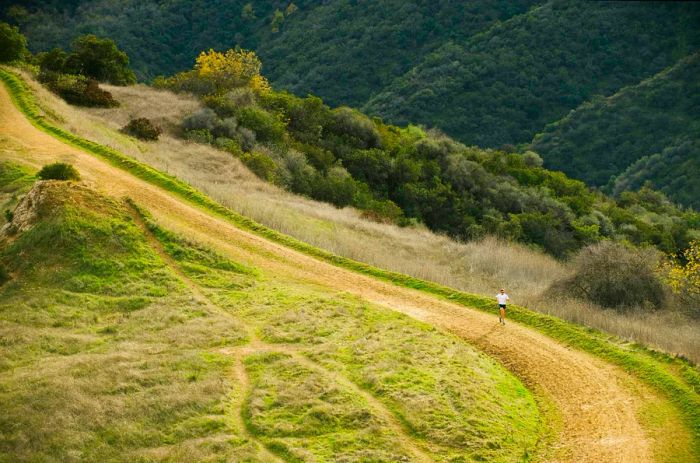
<point>502,299</point>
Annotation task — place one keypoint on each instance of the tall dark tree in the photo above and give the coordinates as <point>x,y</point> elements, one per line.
<point>100,59</point>
<point>13,45</point>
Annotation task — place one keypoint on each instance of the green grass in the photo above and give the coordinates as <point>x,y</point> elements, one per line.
<point>104,355</point>
<point>457,401</point>
<point>637,362</point>
<point>14,181</point>
<point>416,372</point>
<point>300,412</point>
<point>108,355</point>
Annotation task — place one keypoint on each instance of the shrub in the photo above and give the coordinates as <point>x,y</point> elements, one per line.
<point>4,275</point>
<point>202,119</point>
<point>199,136</point>
<point>13,45</point>
<point>355,127</point>
<point>264,124</point>
<point>143,129</point>
<point>532,159</point>
<point>228,145</point>
<point>246,138</point>
<point>78,90</point>
<point>227,128</point>
<point>615,276</point>
<point>58,171</point>
<point>261,165</point>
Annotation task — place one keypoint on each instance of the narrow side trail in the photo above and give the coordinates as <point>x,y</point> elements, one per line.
<point>595,400</point>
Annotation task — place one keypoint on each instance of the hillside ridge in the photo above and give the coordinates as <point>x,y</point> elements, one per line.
<point>237,243</point>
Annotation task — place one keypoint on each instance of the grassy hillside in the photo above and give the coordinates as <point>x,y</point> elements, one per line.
<point>635,360</point>
<point>478,266</point>
<point>504,85</point>
<point>646,132</point>
<point>128,343</point>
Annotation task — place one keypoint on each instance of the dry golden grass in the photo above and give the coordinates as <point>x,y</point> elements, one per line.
<point>479,267</point>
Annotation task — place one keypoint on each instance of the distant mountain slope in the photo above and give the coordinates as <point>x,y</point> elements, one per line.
<point>159,37</point>
<point>346,51</point>
<point>341,50</point>
<point>649,131</point>
<point>502,86</point>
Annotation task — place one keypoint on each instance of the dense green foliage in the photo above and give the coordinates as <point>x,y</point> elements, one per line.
<point>504,85</point>
<point>343,157</point>
<point>91,57</point>
<point>13,45</point>
<point>647,132</point>
<point>487,73</point>
<point>353,50</point>
<point>58,171</point>
<point>100,59</point>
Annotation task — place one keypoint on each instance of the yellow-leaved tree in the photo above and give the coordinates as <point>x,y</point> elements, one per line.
<point>684,277</point>
<point>234,68</point>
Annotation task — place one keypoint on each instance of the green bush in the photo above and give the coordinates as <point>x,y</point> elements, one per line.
<point>58,171</point>
<point>261,165</point>
<point>264,124</point>
<point>143,129</point>
<point>355,128</point>
<point>199,136</point>
<point>13,45</point>
<point>78,90</point>
<point>615,276</point>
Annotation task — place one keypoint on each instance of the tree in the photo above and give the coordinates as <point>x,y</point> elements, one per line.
<point>53,61</point>
<point>684,278</point>
<point>100,59</point>
<point>247,12</point>
<point>235,68</point>
<point>13,45</point>
<point>277,20</point>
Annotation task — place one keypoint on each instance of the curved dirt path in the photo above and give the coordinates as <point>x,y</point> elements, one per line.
<point>598,410</point>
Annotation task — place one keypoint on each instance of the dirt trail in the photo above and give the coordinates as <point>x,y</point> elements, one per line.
<point>598,411</point>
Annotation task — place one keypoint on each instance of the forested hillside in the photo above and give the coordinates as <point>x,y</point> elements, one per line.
<point>504,85</point>
<point>343,51</point>
<point>647,132</point>
<point>488,73</point>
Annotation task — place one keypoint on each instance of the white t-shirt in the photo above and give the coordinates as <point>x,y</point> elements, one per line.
<point>502,298</point>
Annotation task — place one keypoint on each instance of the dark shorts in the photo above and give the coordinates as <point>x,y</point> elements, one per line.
<point>502,306</point>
